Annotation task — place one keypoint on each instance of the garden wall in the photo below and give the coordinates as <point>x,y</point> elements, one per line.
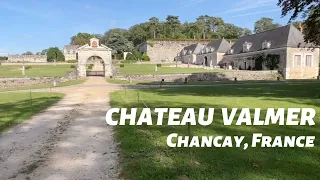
<point>214,76</point>
<point>31,81</point>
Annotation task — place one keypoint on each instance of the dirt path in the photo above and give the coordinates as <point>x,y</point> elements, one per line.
<point>70,140</point>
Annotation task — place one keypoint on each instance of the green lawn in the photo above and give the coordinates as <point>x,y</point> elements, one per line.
<point>145,154</point>
<point>16,107</point>
<point>36,70</point>
<point>67,83</point>
<point>136,69</point>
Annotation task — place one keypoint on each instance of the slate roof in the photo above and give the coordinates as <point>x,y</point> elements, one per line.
<point>286,36</point>
<point>70,47</point>
<point>220,46</point>
<point>194,48</point>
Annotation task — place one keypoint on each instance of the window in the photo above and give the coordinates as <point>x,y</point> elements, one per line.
<point>247,46</point>
<point>308,60</point>
<point>266,45</point>
<point>297,61</point>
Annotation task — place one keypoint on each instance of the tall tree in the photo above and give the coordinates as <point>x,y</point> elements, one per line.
<point>81,39</point>
<point>172,26</point>
<point>230,31</point>
<point>54,53</point>
<point>246,32</point>
<point>154,26</point>
<point>117,40</point>
<point>265,24</point>
<point>211,26</point>
<point>310,9</point>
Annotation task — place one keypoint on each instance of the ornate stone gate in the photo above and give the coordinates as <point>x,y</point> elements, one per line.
<point>94,49</point>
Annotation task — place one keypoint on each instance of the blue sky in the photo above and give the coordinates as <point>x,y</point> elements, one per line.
<point>33,25</point>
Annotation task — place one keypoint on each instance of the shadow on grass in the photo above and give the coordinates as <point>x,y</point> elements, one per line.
<point>146,155</point>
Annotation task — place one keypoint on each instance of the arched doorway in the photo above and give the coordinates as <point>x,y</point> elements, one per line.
<point>95,66</point>
<point>94,53</point>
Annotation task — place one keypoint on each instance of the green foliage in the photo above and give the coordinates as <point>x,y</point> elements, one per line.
<point>121,65</point>
<point>145,57</point>
<point>265,24</point>
<point>130,56</point>
<point>27,53</point>
<point>117,39</point>
<point>72,66</point>
<point>271,61</point>
<point>3,58</point>
<point>72,61</point>
<point>27,67</point>
<point>54,53</point>
<point>159,65</point>
<point>310,11</point>
<point>81,39</point>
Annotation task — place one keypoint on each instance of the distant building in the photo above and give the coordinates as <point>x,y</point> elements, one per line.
<point>189,53</point>
<point>27,58</point>
<point>70,52</point>
<point>297,59</point>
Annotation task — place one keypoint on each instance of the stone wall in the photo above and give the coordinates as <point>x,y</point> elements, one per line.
<point>31,81</point>
<point>165,50</point>
<point>214,76</point>
<point>27,58</point>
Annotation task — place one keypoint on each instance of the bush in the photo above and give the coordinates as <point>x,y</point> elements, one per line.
<point>121,65</point>
<point>28,67</point>
<point>145,57</point>
<point>73,66</point>
<point>130,57</point>
<point>159,65</point>
<point>72,61</point>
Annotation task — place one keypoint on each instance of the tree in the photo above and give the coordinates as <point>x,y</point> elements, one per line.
<point>310,9</point>
<point>172,26</point>
<point>27,53</point>
<point>81,39</point>
<point>265,24</point>
<point>44,52</point>
<point>246,32</point>
<point>54,53</point>
<point>154,25</point>
<point>230,31</point>
<point>212,25</point>
<point>116,39</point>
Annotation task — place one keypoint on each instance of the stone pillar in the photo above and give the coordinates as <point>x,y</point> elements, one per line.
<point>125,55</point>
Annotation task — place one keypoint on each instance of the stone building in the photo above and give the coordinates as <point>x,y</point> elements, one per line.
<point>70,52</point>
<point>208,55</point>
<point>297,59</point>
<point>27,58</point>
<point>165,51</point>
<point>189,54</point>
<point>213,53</point>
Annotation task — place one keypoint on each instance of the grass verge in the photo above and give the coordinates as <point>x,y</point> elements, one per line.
<point>145,154</point>
<point>17,107</point>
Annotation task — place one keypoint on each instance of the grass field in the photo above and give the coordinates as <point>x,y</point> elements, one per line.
<point>136,69</point>
<point>36,70</point>
<point>16,107</point>
<point>67,83</point>
<point>145,154</point>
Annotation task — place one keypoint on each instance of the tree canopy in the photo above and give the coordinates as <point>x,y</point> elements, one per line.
<point>81,39</point>
<point>310,11</point>
<point>265,24</point>
<point>53,53</point>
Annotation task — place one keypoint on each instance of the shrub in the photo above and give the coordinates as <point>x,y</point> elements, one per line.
<point>72,61</point>
<point>73,66</point>
<point>159,65</point>
<point>130,57</point>
<point>121,65</point>
<point>28,67</point>
<point>145,57</point>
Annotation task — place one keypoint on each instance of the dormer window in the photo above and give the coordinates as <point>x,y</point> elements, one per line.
<point>190,52</point>
<point>247,46</point>
<point>212,49</point>
<point>266,45</point>
<point>230,51</point>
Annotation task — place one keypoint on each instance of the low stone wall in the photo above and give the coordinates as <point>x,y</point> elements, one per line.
<point>31,81</point>
<point>213,76</point>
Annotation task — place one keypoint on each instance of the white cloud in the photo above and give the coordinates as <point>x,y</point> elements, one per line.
<point>254,13</point>
<point>245,5</point>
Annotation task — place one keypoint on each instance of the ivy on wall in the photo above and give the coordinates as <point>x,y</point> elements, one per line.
<point>271,61</point>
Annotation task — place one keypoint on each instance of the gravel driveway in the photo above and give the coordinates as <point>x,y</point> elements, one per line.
<point>70,140</point>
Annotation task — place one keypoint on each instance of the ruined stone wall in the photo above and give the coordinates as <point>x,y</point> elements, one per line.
<point>212,76</point>
<point>165,50</point>
<point>31,81</point>
<point>27,58</point>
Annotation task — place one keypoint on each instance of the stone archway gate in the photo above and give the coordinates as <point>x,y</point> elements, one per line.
<point>94,49</point>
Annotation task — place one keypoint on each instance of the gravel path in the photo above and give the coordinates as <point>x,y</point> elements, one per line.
<point>70,140</point>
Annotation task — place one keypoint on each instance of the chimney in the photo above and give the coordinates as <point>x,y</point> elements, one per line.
<point>300,27</point>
